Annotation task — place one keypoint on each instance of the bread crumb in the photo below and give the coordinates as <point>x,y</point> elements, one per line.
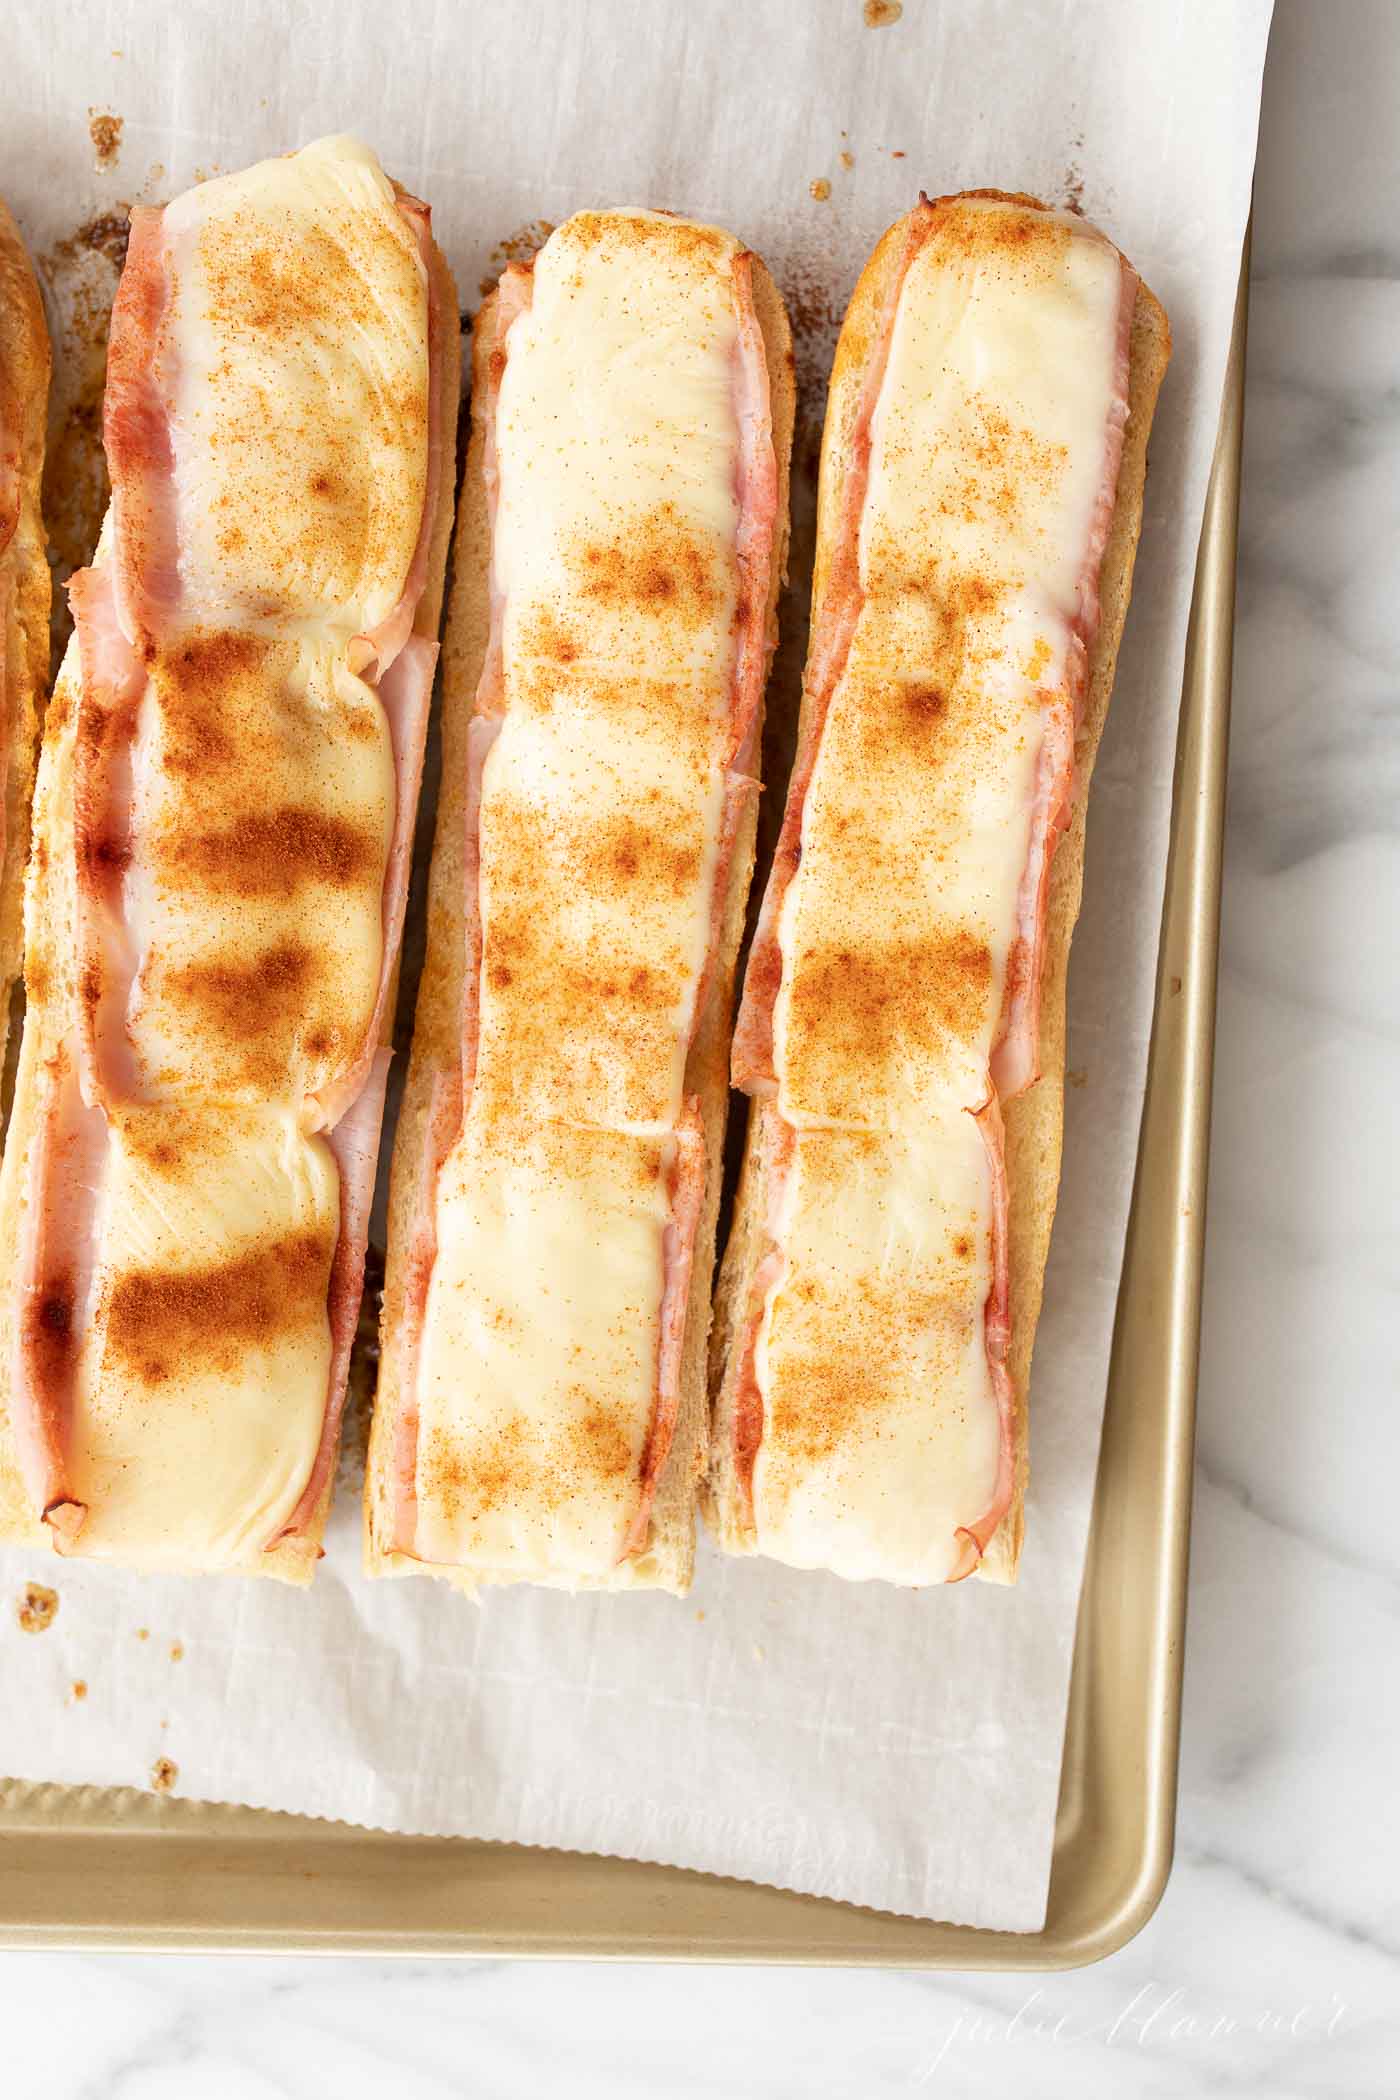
<point>700,1618</point>
<point>848,160</point>
<point>105,131</point>
<point>177,1651</point>
<point>1076,1077</point>
<point>821,189</point>
<point>36,1608</point>
<point>164,1773</point>
<point>898,153</point>
<point>882,14</point>
<point>143,1633</point>
<point>758,1654</point>
<point>79,1688</point>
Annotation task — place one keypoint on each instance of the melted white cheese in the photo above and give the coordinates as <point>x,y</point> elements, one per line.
<point>256,877</point>
<point>202,1383</point>
<point>615,555</point>
<point>987,451</point>
<point>871,1349</point>
<point>538,1366</point>
<point>295,356</point>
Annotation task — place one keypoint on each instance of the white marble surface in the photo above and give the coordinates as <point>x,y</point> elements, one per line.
<point>1273,1965</point>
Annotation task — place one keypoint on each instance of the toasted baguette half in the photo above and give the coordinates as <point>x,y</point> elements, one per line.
<point>1033,1119</point>
<point>667,1559</point>
<point>51,980</point>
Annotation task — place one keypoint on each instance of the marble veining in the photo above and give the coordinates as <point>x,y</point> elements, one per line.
<point>1273,1965</point>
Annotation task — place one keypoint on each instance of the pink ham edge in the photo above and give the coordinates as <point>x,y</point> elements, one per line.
<point>54,1286</point>
<point>112,681</point>
<point>757,492</point>
<point>136,437</point>
<point>751,1054</point>
<point>686,1197</point>
<point>354,1142</point>
<point>1016,1055</point>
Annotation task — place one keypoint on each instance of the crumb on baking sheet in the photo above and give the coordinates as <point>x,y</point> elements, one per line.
<point>177,1651</point>
<point>105,131</point>
<point>164,1773</point>
<point>758,1654</point>
<point>37,1608</point>
<point>699,1618</point>
<point>1076,1076</point>
<point>78,1689</point>
<point>143,1633</point>
<point>847,158</point>
<point>898,153</point>
<point>821,189</point>
<point>882,14</point>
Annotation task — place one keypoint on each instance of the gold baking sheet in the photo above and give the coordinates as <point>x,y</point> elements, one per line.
<point>93,1867</point>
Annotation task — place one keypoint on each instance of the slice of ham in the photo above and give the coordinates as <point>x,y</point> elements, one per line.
<point>751,1054</point>
<point>355,1144</point>
<point>63,1177</point>
<point>757,492</point>
<point>136,436</point>
<point>113,680</point>
<point>686,1193</point>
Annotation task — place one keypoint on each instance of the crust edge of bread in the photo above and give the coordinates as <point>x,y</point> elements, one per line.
<point>1034,1119</point>
<point>668,1560</point>
<point>26,362</point>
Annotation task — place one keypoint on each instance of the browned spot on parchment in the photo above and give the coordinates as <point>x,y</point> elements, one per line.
<point>105,131</point>
<point>37,1608</point>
